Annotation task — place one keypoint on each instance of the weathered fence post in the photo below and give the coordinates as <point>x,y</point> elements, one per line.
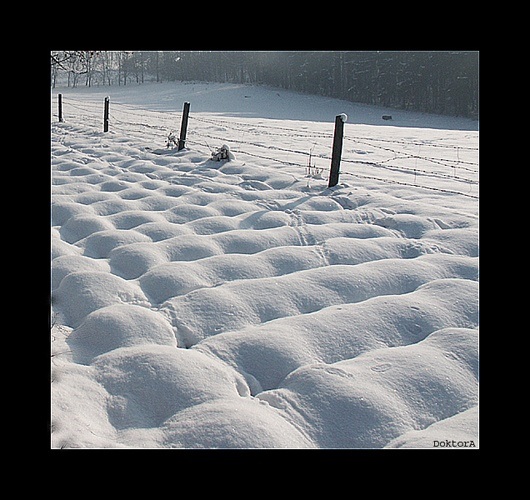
<point>60,102</point>
<point>337,149</point>
<point>184,125</point>
<point>106,115</point>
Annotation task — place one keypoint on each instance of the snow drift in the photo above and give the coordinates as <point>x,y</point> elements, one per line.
<point>242,303</point>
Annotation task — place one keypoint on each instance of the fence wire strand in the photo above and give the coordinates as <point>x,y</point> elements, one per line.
<point>143,124</point>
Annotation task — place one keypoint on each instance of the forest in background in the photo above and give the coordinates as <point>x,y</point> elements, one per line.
<point>442,82</point>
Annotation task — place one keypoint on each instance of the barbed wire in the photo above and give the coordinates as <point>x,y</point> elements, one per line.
<point>402,169</point>
<point>444,162</point>
<point>128,119</point>
<point>294,132</point>
<point>264,129</point>
<point>393,181</point>
<point>440,161</point>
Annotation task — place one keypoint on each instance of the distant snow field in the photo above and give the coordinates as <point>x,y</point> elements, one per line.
<point>244,304</point>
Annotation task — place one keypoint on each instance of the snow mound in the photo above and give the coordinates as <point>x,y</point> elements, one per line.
<point>120,325</point>
<point>100,244</point>
<point>234,305</point>
<point>462,428</point>
<point>80,409</point>
<point>242,424</point>
<point>267,353</point>
<point>83,292</point>
<point>80,226</point>
<point>243,303</point>
<point>411,226</point>
<point>64,265</point>
<point>368,401</point>
<point>149,384</point>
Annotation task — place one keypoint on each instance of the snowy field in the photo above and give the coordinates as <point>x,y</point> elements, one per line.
<point>243,303</point>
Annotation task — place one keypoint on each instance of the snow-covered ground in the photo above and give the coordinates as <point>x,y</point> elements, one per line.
<point>243,303</point>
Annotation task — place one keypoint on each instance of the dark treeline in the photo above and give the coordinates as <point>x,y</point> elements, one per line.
<point>444,82</point>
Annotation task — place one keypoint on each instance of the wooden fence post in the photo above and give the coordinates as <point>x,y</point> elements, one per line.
<point>337,150</point>
<point>184,125</point>
<point>106,115</point>
<point>60,102</point>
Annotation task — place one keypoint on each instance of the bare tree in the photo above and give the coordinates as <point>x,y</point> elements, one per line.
<point>77,61</point>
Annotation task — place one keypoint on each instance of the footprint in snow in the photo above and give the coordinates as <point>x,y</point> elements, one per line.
<point>382,367</point>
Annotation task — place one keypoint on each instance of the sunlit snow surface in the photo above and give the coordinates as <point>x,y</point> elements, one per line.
<point>242,303</point>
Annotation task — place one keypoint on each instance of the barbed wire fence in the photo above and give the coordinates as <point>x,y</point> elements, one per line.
<point>403,163</point>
